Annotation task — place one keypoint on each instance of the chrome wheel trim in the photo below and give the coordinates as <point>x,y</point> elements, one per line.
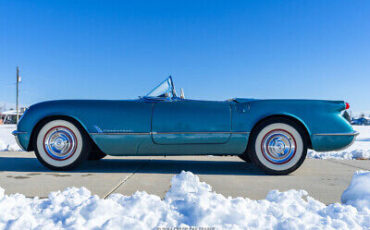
<point>290,161</point>
<point>41,146</point>
<point>60,143</point>
<point>278,146</point>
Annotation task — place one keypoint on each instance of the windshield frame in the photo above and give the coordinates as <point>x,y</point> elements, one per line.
<point>170,90</point>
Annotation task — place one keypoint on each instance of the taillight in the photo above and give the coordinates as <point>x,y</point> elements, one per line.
<point>347,105</point>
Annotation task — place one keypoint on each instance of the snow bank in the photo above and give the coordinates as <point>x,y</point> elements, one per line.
<point>189,202</point>
<point>359,150</point>
<point>364,132</point>
<point>7,140</point>
<point>358,192</point>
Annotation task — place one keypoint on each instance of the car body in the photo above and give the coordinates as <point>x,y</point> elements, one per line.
<point>170,125</point>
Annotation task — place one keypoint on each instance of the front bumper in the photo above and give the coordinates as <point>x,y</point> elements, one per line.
<point>16,134</point>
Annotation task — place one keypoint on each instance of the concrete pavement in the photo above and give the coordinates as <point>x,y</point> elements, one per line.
<point>325,180</point>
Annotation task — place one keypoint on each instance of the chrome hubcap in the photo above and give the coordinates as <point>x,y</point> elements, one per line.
<point>60,143</point>
<point>278,146</point>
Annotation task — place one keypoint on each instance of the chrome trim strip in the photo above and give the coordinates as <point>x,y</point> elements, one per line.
<point>199,132</point>
<point>240,132</point>
<point>154,133</point>
<point>120,133</point>
<point>337,134</point>
<point>15,132</point>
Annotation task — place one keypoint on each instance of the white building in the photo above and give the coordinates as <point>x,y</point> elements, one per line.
<point>10,116</point>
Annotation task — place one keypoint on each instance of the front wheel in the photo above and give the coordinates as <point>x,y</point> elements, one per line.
<point>60,145</point>
<point>278,146</point>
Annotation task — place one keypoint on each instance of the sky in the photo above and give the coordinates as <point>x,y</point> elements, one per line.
<point>215,50</point>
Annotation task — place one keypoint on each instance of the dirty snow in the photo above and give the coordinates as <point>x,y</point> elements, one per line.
<point>189,202</point>
<point>360,149</point>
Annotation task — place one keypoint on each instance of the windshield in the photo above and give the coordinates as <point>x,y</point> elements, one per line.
<point>165,89</point>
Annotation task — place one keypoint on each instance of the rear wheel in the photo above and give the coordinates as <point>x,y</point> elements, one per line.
<point>60,145</point>
<point>278,146</point>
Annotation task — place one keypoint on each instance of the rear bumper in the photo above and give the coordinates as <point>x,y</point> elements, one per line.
<point>20,138</point>
<point>332,141</point>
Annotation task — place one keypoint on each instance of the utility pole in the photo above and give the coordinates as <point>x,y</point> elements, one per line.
<point>17,95</point>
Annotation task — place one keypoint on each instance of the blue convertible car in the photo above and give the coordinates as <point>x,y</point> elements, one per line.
<point>274,134</point>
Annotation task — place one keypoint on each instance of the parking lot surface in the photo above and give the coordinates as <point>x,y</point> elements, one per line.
<point>325,180</point>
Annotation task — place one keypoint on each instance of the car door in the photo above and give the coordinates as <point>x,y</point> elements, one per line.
<point>118,127</point>
<point>191,122</point>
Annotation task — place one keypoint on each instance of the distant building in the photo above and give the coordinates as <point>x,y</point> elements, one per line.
<point>361,121</point>
<point>10,116</point>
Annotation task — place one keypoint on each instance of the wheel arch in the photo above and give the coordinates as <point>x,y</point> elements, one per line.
<point>71,119</point>
<point>292,118</point>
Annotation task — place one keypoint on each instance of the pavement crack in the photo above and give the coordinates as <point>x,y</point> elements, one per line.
<point>126,179</point>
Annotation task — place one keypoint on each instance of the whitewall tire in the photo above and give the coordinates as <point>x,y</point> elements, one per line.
<point>278,146</point>
<point>60,145</point>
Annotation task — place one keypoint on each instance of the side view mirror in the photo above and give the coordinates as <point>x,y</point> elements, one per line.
<point>182,95</point>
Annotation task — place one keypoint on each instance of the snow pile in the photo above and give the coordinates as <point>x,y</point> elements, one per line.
<point>189,202</point>
<point>364,133</point>
<point>359,150</point>
<point>7,140</point>
<point>358,192</point>
<point>355,152</point>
